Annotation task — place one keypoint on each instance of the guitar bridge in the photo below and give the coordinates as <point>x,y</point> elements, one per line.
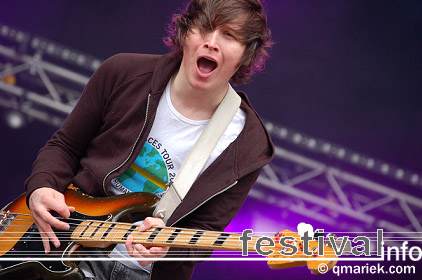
<point>5,220</point>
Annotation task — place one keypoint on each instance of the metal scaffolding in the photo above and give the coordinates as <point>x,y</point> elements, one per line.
<point>337,198</point>
<point>40,78</point>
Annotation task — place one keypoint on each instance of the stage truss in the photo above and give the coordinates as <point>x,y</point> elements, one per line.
<point>40,78</point>
<point>337,198</point>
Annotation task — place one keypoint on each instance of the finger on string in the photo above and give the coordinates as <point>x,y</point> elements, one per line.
<point>151,222</point>
<point>45,242</point>
<point>53,238</point>
<point>62,209</point>
<point>46,231</point>
<point>49,219</point>
<point>129,246</point>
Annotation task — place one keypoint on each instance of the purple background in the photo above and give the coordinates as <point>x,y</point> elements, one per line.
<point>345,71</point>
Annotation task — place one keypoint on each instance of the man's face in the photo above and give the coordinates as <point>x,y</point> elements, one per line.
<point>210,59</point>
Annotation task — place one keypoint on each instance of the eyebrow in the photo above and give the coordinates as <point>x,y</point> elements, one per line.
<point>236,31</point>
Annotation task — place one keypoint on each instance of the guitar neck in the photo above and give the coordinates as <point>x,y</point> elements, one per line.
<point>102,234</point>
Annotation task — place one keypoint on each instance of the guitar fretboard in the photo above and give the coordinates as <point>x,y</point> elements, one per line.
<point>103,234</point>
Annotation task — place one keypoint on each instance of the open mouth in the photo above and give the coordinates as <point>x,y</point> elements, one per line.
<point>206,65</point>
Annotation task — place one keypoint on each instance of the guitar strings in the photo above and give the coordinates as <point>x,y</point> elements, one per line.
<point>187,233</point>
<point>120,223</point>
<point>122,229</point>
<point>129,224</point>
<point>335,232</point>
<point>121,226</point>
<point>160,239</point>
<point>126,227</point>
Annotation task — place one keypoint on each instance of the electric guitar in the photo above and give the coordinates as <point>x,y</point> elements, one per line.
<point>96,222</point>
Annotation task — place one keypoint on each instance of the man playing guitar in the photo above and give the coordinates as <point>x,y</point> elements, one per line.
<point>137,120</point>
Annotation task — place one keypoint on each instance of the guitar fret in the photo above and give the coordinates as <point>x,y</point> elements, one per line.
<point>85,229</point>
<point>173,235</point>
<point>79,229</point>
<point>178,237</point>
<point>220,240</point>
<point>96,230</point>
<point>115,231</point>
<point>91,230</point>
<point>186,236</point>
<point>183,236</point>
<point>121,230</point>
<point>196,237</point>
<point>154,234</point>
<point>163,235</point>
<point>140,237</point>
<point>99,231</point>
<point>107,232</point>
<point>233,242</point>
<point>129,231</point>
<point>211,239</point>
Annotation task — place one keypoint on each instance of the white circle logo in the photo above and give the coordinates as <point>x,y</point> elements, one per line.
<point>322,268</point>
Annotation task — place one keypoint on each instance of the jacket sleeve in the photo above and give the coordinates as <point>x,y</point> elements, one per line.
<point>58,161</point>
<point>214,215</point>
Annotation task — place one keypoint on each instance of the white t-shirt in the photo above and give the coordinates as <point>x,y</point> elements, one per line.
<point>171,139</point>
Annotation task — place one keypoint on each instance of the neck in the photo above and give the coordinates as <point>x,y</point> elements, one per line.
<point>102,234</point>
<point>193,103</point>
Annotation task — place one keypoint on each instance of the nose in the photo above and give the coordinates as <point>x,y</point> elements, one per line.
<point>211,41</point>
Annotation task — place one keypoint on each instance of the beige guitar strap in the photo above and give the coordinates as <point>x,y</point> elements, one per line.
<point>199,155</point>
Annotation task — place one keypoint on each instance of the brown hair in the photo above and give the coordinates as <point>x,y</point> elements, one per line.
<point>210,14</point>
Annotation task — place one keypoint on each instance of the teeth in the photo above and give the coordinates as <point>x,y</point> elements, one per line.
<point>209,59</point>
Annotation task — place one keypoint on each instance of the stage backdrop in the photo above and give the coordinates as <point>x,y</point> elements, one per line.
<point>345,71</point>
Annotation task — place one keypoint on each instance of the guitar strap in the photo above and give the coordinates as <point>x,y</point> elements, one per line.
<point>199,155</point>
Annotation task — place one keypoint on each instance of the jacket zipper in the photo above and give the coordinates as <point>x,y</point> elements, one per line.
<point>150,273</point>
<point>133,148</point>
<point>234,183</point>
